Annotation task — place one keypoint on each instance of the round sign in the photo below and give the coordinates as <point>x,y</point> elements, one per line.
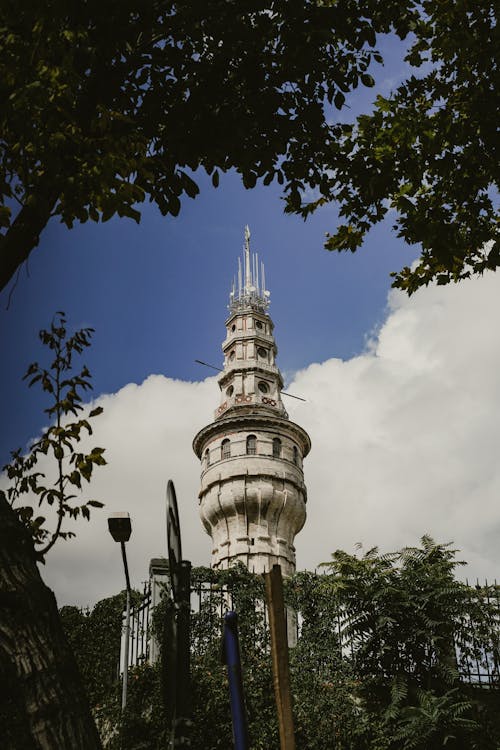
<point>173,539</point>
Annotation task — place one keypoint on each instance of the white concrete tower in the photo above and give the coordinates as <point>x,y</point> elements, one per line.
<point>252,496</point>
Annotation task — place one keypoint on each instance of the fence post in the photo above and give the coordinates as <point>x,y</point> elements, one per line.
<point>279,653</point>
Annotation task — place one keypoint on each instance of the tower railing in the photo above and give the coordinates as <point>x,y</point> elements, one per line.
<point>263,449</point>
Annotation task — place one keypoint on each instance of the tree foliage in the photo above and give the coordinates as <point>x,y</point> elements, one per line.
<point>105,105</point>
<point>429,151</point>
<point>95,637</point>
<point>209,675</point>
<point>58,441</point>
<point>411,628</point>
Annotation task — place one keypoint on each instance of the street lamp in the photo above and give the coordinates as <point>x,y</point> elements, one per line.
<point>120,528</point>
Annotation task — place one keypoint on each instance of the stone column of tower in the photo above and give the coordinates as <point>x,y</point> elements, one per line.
<point>252,496</point>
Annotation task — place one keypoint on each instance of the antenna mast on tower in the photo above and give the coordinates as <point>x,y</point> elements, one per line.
<point>251,288</point>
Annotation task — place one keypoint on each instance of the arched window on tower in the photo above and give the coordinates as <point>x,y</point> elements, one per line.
<point>295,455</point>
<point>226,448</point>
<point>207,458</point>
<point>276,448</point>
<point>251,445</point>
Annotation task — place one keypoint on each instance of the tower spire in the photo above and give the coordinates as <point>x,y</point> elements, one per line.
<point>251,291</point>
<point>248,270</point>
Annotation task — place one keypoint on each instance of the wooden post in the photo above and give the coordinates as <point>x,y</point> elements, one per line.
<point>279,653</point>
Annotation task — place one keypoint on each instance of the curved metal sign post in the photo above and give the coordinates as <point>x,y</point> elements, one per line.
<point>174,545</point>
<point>178,649</point>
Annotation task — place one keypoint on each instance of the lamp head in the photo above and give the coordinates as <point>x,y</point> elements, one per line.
<point>119,526</point>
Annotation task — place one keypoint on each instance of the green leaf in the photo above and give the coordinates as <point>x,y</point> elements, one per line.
<point>249,179</point>
<point>339,99</point>
<point>367,80</point>
<point>75,479</point>
<point>85,469</point>
<point>174,205</point>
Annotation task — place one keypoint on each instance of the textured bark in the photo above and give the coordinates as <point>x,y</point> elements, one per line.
<point>43,705</point>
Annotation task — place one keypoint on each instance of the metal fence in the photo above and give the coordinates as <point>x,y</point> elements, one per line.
<point>483,667</point>
<point>480,667</point>
<point>140,630</point>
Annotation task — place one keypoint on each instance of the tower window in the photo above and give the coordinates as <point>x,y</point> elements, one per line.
<point>263,387</point>
<point>295,455</point>
<point>233,327</point>
<point>276,448</point>
<point>232,356</point>
<point>230,391</point>
<point>262,352</point>
<point>259,325</point>
<point>207,457</point>
<point>251,445</point>
<point>226,448</point>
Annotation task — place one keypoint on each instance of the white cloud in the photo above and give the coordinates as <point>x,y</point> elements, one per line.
<point>405,442</point>
<point>147,431</point>
<point>405,438</point>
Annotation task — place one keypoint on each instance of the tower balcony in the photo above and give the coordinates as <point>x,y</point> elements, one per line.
<point>249,364</point>
<point>234,336</point>
<point>262,461</point>
<point>274,405</point>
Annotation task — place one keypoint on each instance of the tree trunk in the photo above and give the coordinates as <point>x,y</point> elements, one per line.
<point>43,705</point>
<point>24,234</point>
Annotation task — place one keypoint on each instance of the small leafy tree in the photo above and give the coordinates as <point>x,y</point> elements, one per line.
<point>409,626</point>
<point>58,441</point>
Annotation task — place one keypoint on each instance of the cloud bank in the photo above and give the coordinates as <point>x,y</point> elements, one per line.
<point>405,441</point>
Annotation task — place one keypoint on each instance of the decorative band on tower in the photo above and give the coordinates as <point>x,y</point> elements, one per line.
<point>252,496</point>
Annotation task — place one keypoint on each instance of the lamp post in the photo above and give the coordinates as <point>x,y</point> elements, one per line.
<point>120,528</point>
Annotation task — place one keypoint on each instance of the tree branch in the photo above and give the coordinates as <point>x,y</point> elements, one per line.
<point>24,234</point>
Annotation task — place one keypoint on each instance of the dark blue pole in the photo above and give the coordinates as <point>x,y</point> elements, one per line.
<point>231,648</point>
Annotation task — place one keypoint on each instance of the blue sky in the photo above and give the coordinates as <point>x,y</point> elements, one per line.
<point>156,293</point>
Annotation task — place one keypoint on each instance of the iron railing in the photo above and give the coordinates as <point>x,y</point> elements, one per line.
<point>140,630</point>
<point>477,664</point>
